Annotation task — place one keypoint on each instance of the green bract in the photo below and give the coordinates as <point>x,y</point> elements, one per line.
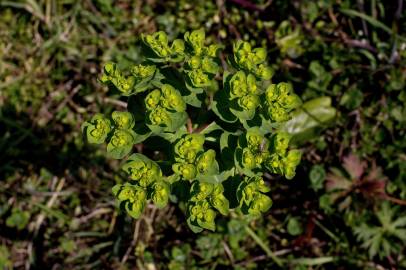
<point>165,109</point>
<point>192,162</point>
<point>251,60</point>
<point>97,129</point>
<point>205,199</point>
<point>138,80</point>
<point>121,143</point>
<point>280,101</point>
<point>162,52</point>
<point>211,162</point>
<point>202,63</point>
<point>251,197</point>
<point>131,197</point>
<point>123,120</point>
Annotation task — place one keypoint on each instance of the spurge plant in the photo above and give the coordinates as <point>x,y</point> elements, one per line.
<point>221,117</point>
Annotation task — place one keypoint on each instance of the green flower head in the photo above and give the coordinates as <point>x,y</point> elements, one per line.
<point>248,102</point>
<point>201,190</point>
<point>195,62</point>
<point>112,75</point>
<point>97,129</point>
<point>202,215</point>
<point>198,78</point>
<point>290,102</point>
<point>195,40</point>
<point>213,49</point>
<point>159,117</point>
<point>251,198</point>
<point>187,147</point>
<point>258,55</point>
<point>131,194</point>
<point>171,99</point>
<point>252,85</point>
<point>289,172</point>
<point>143,172</point>
<point>256,141</point>
<point>205,161</point>
<point>264,72</point>
<point>152,100</point>
<point>238,85</point>
<point>260,204</point>
<point>132,197</point>
<point>277,113</point>
<point>272,93</point>
<point>178,46</point>
<point>281,142</point>
<point>209,66</point>
<point>249,59</point>
<point>293,158</point>
<point>274,163</point>
<point>123,120</point>
<point>158,42</point>
<point>121,137</point>
<point>248,159</point>
<point>142,72</point>
<point>160,194</point>
<point>110,72</point>
<point>187,171</point>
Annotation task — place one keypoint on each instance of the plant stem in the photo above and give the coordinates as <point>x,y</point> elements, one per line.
<point>264,247</point>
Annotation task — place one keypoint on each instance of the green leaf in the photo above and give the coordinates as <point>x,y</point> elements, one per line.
<point>294,227</point>
<point>309,120</point>
<point>371,20</point>
<point>193,227</point>
<point>221,103</point>
<point>317,176</point>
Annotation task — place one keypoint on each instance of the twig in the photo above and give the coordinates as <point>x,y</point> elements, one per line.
<point>189,126</point>
<point>52,200</point>
<point>133,242</point>
<point>115,102</point>
<point>228,252</point>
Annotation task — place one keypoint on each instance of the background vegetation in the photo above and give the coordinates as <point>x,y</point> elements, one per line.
<point>345,209</point>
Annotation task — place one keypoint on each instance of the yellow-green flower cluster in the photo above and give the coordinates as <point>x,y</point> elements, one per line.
<point>137,81</point>
<point>112,74</point>
<point>133,198</point>
<point>143,72</point>
<point>123,120</point>
<point>161,102</point>
<point>191,159</point>
<point>282,161</point>
<point>251,197</point>
<point>146,182</point>
<point>158,43</point>
<point>255,150</point>
<point>205,198</point>
<point>97,129</point>
<point>289,39</point>
<point>141,170</point>
<point>244,89</point>
<point>252,60</point>
<point>201,65</point>
<point>123,136</point>
<point>120,138</point>
<point>280,101</point>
